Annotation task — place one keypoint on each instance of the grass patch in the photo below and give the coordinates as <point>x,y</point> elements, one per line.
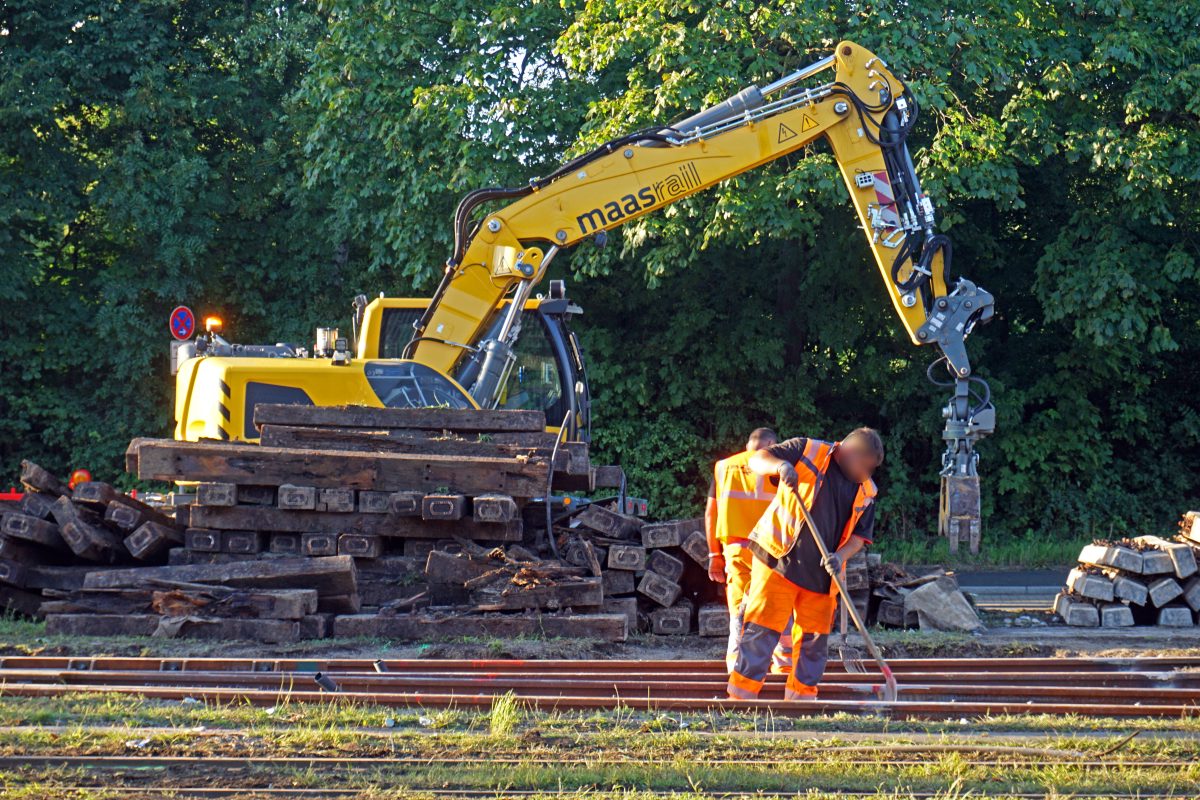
<point>32,716</point>
<point>1029,551</point>
<point>633,763</point>
<point>505,714</point>
<point>14,629</point>
<point>622,753</point>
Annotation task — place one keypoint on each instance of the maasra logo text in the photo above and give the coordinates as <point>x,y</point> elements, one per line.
<point>686,180</point>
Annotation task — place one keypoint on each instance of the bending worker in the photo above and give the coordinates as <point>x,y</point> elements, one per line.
<point>737,497</point>
<point>788,576</point>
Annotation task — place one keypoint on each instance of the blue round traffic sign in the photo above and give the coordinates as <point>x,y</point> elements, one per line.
<point>183,323</point>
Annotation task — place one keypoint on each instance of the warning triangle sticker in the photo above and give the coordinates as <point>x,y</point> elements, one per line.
<point>786,133</point>
<point>808,124</point>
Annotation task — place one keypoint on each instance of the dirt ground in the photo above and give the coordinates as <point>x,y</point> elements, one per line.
<point>1027,634</point>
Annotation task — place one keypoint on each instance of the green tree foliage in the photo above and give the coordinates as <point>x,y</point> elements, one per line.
<point>270,160</point>
<point>414,105</point>
<point>148,159</point>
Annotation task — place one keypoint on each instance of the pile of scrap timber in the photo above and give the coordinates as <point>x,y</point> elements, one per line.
<point>392,491</point>
<point>653,574</point>
<point>1145,580</point>
<point>341,522</point>
<point>54,535</point>
<point>275,600</point>
<point>931,602</point>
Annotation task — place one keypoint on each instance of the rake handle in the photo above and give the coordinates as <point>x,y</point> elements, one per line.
<point>841,586</point>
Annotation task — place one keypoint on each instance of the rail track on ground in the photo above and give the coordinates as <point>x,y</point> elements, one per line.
<point>202,793</point>
<point>200,777</point>
<point>929,688</point>
<point>353,764</point>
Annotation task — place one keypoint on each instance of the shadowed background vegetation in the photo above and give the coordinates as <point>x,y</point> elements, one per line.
<point>268,161</point>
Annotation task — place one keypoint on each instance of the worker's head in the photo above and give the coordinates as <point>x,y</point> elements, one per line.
<point>760,438</point>
<point>860,454</point>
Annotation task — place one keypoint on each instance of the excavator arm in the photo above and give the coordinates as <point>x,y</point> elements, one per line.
<point>865,113</point>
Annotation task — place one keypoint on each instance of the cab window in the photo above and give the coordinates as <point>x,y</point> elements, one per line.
<point>535,382</point>
<point>397,324</point>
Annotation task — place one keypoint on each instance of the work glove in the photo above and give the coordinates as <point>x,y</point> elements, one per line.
<point>787,475</point>
<point>832,564</point>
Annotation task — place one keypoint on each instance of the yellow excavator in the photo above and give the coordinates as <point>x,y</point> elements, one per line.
<point>469,346</point>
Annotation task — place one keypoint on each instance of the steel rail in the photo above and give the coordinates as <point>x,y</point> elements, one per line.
<point>948,687</point>
<point>1178,679</point>
<point>901,709</point>
<point>181,793</point>
<point>933,688</point>
<point>552,666</point>
<point>352,763</point>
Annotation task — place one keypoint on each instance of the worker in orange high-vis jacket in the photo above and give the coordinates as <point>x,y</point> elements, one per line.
<point>789,577</point>
<point>737,497</point>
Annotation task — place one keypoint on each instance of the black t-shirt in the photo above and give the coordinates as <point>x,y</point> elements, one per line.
<point>831,511</point>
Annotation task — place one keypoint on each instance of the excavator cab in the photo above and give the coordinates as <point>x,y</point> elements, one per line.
<point>547,373</point>
<point>219,383</point>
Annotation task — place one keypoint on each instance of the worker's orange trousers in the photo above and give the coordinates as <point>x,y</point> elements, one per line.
<point>738,563</point>
<point>769,602</point>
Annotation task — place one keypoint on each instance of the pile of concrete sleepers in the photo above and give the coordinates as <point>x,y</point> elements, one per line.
<point>1147,580</point>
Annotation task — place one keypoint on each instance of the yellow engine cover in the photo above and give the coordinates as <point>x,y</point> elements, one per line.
<point>215,397</point>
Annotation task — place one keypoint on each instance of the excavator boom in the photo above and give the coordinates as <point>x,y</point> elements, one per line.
<point>865,114</point>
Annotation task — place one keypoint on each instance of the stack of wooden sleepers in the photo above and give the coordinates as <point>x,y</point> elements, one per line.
<point>55,535</point>
<point>398,523</point>
<point>1145,580</point>
<point>654,574</point>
